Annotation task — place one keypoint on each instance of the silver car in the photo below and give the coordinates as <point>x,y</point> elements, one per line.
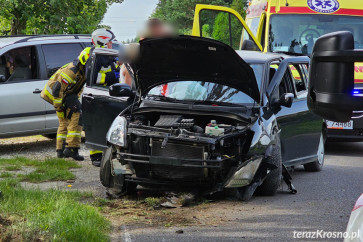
<point>26,63</point>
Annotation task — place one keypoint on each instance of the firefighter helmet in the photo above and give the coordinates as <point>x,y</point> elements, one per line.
<point>83,57</point>
<point>102,37</point>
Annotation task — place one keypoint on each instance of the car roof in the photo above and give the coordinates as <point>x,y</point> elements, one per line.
<point>9,40</point>
<point>259,57</point>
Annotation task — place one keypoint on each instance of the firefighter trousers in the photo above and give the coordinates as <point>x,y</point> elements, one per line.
<point>69,130</point>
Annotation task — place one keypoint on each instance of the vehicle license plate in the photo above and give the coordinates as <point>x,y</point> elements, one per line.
<point>338,125</point>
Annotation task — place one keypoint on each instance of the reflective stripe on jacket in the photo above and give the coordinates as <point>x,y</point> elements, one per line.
<point>68,77</point>
<point>101,77</point>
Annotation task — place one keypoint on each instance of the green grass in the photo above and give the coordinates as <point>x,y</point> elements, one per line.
<point>6,175</point>
<point>54,215</point>
<point>12,168</point>
<point>51,169</point>
<point>152,201</point>
<point>38,176</point>
<point>51,215</point>
<point>102,202</point>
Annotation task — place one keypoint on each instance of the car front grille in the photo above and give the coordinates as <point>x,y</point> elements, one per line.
<point>177,151</point>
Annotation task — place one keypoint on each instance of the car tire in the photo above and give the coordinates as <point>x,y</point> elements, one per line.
<point>115,184</point>
<point>50,136</point>
<point>273,180</point>
<point>105,168</point>
<point>319,163</point>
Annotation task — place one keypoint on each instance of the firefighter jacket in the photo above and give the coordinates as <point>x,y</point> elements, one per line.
<point>69,79</point>
<point>107,71</point>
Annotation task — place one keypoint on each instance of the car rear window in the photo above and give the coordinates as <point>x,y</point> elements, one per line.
<point>57,55</point>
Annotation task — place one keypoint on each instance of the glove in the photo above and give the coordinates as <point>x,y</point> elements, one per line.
<point>72,102</point>
<point>60,114</point>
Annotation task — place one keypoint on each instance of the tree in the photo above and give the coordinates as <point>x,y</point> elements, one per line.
<point>180,13</point>
<point>52,16</point>
<point>240,6</point>
<point>5,27</point>
<point>220,28</point>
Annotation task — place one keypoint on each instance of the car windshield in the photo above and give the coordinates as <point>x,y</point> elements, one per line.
<point>297,33</point>
<point>205,91</point>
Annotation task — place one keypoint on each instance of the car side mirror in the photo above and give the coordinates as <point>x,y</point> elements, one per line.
<point>120,90</point>
<point>331,85</point>
<point>285,100</point>
<point>249,45</point>
<point>2,78</point>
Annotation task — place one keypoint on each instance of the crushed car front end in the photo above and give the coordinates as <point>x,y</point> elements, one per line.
<point>197,122</point>
<point>165,150</point>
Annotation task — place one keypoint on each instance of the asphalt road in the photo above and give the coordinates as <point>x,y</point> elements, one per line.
<point>324,202</point>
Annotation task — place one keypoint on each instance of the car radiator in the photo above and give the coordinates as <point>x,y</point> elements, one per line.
<point>177,150</point>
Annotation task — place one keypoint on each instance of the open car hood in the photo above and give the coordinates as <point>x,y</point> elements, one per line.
<point>192,58</point>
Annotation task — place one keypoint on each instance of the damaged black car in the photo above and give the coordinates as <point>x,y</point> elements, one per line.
<point>204,117</point>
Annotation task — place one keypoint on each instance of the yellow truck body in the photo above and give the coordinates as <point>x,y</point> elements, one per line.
<point>294,25</point>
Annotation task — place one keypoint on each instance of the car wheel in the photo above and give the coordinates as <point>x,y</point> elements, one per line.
<point>318,164</point>
<point>50,136</point>
<point>273,180</point>
<point>115,184</point>
<point>105,168</point>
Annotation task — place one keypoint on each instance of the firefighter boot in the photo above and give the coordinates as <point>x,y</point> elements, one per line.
<point>60,153</point>
<point>73,153</point>
<point>96,157</point>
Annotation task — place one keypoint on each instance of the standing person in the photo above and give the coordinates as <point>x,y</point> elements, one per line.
<point>108,72</point>
<point>107,68</point>
<point>62,91</point>
<point>125,77</point>
<point>154,28</point>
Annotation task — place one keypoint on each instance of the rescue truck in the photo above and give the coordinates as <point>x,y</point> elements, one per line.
<point>291,27</point>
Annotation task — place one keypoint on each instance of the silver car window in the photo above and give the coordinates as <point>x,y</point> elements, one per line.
<point>20,64</point>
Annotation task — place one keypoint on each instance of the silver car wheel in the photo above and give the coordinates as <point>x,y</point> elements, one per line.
<point>321,150</point>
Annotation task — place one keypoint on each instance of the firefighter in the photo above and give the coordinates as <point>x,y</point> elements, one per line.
<point>108,72</point>
<point>107,68</point>
<point>63,91</point>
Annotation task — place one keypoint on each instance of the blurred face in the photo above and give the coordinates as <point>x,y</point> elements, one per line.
<point>109,45</point>
<point>10,66</point>
<point>158,31</point>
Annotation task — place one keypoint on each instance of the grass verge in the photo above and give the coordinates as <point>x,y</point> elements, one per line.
<point>5,175</point>
<point>57,215</point>
<point>51,169</point>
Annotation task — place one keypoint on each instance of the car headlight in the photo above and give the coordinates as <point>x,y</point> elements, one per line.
<point>245,174</point>
<point>117,133</point>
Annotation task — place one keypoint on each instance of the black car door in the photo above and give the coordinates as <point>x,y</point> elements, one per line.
<point>99,109</point>
<point>300,128</point>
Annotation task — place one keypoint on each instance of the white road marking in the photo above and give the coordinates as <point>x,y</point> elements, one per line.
<point>127,235</point>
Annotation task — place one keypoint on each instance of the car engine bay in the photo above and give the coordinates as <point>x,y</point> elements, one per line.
<point>185,147</point>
